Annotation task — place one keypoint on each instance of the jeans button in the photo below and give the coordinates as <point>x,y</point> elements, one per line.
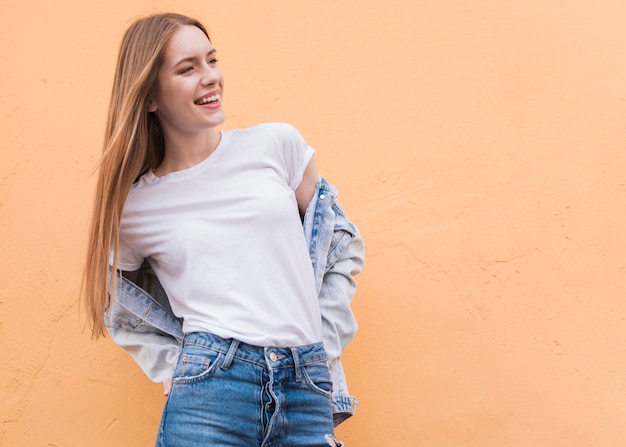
<point>273,356</point>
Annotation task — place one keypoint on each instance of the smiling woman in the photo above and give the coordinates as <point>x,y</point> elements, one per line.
<point>218,227</point>
<point>188,99</point>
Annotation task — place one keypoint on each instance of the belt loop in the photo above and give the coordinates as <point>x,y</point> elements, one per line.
<point>234,344</point>
<point>296,364</point>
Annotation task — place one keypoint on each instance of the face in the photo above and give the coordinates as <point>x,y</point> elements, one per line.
<point>190,85</point>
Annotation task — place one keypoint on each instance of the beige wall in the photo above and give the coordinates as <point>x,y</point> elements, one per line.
<point>479,145</point>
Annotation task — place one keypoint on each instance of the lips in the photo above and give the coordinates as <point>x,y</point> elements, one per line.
<point>208,99</point>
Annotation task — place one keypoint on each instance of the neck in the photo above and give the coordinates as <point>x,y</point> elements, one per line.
<point>183,152</point>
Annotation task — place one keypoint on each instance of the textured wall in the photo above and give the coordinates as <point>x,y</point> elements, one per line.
<point>478,145</point>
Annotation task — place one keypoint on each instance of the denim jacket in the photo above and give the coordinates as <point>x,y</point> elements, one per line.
<point>140,319</point>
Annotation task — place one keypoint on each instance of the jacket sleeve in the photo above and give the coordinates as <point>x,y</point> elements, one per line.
<point>345,260</point>
<point>143,325</point>
<point>155,353</point>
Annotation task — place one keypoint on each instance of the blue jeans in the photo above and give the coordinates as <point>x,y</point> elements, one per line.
<point>228,393</point>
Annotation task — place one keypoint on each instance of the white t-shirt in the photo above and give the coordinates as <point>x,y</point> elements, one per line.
<point>225,239</point>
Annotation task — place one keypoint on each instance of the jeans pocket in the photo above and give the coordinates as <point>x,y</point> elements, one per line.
<point>317,377</point>
<point>195,364</point>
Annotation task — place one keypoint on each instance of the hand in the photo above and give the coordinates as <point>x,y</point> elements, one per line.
<point>167,387</point>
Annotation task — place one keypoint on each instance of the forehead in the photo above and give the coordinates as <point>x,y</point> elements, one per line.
<point>187,41</point>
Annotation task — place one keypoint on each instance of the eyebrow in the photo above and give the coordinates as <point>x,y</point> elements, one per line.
<point>192,58</point>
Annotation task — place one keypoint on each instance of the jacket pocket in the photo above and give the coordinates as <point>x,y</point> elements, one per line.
<point>122,318</point>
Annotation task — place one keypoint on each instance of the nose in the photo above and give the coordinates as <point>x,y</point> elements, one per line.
<point>210,75</point>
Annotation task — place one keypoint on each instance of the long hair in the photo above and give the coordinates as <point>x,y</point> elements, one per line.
<point>133,144</point>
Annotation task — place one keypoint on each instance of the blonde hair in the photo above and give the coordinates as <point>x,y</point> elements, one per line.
<point>133,144</point>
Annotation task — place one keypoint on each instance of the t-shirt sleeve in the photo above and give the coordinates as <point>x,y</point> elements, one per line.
<point>295,152</point>
<point>128,260</point>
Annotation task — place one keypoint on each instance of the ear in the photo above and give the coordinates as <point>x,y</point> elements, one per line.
<point>152,107</point>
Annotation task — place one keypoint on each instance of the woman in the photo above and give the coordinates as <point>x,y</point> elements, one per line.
<point>209,223</point>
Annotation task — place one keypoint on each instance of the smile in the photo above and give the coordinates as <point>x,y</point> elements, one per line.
<point>208,99</point>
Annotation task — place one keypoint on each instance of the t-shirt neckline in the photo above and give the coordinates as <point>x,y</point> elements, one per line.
<point>150,177</point>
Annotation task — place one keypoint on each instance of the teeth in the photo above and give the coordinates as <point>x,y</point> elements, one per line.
<point>208,99</point>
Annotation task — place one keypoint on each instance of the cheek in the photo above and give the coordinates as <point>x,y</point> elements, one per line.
<point>173,93</point>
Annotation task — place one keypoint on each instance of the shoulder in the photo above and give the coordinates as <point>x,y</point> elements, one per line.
<point>277,138</point>
<point>282,132</point>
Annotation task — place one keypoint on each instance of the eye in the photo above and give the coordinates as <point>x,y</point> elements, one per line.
<point>186,70</point>
<point>212,61</point>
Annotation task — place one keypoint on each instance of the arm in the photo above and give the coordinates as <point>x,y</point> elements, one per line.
<point>337,252</point>
<point>338,323</point>
<point>156,354</point>
<point>346,260</point>
<point>304,192</point>
<point>132,276</point>
<point>140,321</point>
